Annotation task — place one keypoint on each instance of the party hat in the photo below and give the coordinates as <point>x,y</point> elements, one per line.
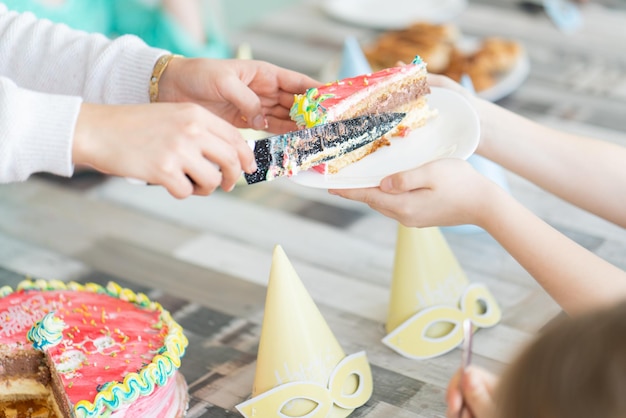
<point>431,296</point>
<point>426,273</point>
<point>244,51</point>
<point>301,368</point>
<point>353,60</point>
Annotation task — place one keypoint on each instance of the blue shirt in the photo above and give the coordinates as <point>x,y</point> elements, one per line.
<point>120,17</point>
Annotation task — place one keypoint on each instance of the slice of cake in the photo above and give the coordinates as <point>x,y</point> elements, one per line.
<point>72,350</point>
<point>403,88</point>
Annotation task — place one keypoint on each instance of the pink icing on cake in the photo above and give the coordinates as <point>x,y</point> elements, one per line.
<point>105,340</point>
<point>360,85</point>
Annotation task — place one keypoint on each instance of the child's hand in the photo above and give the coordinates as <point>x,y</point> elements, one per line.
<point>473,391</point>
<point>440,193</point>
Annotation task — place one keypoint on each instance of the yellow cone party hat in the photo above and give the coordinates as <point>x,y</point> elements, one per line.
<point>431,296</point>
<point>301,368</point>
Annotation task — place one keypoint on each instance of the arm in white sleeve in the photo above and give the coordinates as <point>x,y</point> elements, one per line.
<point>46,71</point>
<point>43,56</point>
<point>36,132</point>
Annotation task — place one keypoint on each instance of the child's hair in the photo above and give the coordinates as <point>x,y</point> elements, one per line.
<point>576,368</point>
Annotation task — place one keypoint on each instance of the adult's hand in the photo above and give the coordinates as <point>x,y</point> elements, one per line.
<point>247,93</point>
<point>181,146</point>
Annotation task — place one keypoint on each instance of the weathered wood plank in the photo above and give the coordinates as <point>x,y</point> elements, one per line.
<point>219,291</point>
<point>67,220</point>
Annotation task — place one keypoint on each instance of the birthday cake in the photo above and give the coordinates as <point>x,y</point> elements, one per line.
<point>402,88</point>
<point>73,350</point>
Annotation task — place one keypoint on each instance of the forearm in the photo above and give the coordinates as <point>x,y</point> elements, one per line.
<point>576,278</point>
<point>586,172</point>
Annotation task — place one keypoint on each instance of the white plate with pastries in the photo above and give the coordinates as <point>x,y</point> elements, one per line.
<point>497,66</point>
<point>504,82</point>
<point>504,85</point>
<point>393,14</point>
<point>454,132</point>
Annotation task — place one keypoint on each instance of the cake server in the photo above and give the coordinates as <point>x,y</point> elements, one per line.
<point>287,154</point>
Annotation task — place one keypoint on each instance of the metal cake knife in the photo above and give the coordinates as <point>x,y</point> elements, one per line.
<point>287,154</point>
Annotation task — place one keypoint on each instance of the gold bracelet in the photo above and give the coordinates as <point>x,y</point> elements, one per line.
<point>159,67</point>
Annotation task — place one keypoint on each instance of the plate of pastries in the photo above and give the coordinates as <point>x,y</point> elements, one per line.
<point>496,66</point>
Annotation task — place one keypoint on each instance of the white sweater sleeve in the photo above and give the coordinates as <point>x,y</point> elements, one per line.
<point>36,131</point>
<point>46,71</point>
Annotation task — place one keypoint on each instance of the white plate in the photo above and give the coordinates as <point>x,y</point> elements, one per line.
<point>507,83</point>
<point>454,132</point>
<point>393,14</point>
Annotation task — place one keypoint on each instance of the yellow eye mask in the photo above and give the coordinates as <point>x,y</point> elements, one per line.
<point>414,338</point>
<point>349,386</point>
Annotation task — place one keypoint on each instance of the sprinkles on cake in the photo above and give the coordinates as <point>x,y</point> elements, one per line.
<point>80,345</point>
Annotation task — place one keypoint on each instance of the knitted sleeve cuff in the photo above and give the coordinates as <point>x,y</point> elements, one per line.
<point>36,132</point>
<point>127,81</point>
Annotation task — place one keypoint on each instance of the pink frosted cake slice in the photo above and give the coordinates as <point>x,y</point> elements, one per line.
<point>72,350</point>
<point>397,89</point>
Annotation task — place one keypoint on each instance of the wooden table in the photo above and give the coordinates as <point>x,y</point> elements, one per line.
<point>208,259</point>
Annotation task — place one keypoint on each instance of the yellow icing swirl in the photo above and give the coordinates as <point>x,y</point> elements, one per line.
<point>46,333</point>
<point>5,291</point>
<point>113,394</point>
<point>307,110</point>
